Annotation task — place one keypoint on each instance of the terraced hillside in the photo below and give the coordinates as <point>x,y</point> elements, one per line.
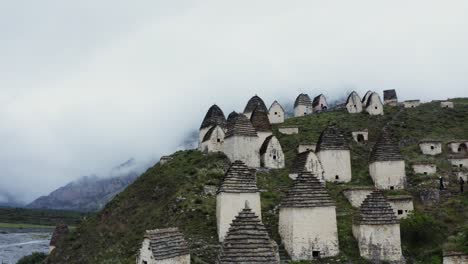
<point>180,193</point>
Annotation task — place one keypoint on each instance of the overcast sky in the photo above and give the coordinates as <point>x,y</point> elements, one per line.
<point>86,85</point>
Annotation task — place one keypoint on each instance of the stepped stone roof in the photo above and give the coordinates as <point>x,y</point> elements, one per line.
<point>60,231</point>
<point>317,100</point>
<point>303,99</point>
<point>214,116</point>
<point>373,96</point>
<point>307,191</point>
<point>331,139</point>
<point>247,241</point>
<point>260,120</point>
<point>167,243</point>
<point>399,197</point>
<point>239,125</point>
<point>265,144</point>
<point>276,103</point>
<point>239,179</point>
<point>375,210</point>
<point>300,161</point>
<point>390,94</point>
<point>253,103</point>
<point>386,149</point>
<point>209,133</point>
<point>351,95</point>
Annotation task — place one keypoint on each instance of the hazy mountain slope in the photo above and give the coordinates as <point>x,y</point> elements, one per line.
<point>173,194</point>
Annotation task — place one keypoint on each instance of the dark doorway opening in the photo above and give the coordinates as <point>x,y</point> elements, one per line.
<point>360,138</point>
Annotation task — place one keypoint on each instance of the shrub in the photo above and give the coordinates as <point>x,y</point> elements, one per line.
<point>34,258</point>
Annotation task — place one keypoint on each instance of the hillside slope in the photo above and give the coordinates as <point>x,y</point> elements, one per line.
<point>174,194</point>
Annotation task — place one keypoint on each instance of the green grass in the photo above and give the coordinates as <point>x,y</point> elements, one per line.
<point>40,217</point>
<point>23,226</point>
<point>172,194</point>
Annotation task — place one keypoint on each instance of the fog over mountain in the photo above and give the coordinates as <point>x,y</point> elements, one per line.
<point>87,84</point>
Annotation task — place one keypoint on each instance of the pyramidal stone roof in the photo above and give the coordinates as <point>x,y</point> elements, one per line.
<point>260,120</point>
<point>307,191</point>
<point>300,161</point>
<point>276,103</point>
<point>331,139</point>
<point>253,103</point>
<point>389,94</point>
<point>317,100</point>
<point>239,179</point>
<point>303,99</point>
<point>167,243</point>
<point>375,210</point>
<point>386,149</point>
<point>214,116</point>
<point>60,231</point>
<point>351,96</point>
<point>239,125</point>
<point>247,241</point>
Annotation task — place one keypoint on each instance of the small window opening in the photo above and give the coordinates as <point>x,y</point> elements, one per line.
<point>315,254</point>
<point>360,138</point>
<point>376,108</point>
<point>461,165</point>
<point>432,147</point>
<point>425,173</point>
<point>276,113</point>
<point>219,140</point>
<point>400,212</point>
<point>337,177</point>
<point>274,157</point>
<point>305,113</point>
<point>392,188</point>
<point>355,105</point>
<point>406,211</point>
<point>145,262</point>
<point>321,105</point>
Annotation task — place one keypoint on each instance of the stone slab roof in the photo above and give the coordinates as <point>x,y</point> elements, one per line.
<point>300,161</point>
<point>386,149</point>
<point>253,103</point>
<point>239,125</point>
<point>317,100</point>
<point>373,96</point>
<point>303,99</point>
<point>351,95</point>
<point>167,243</point>
<point>276,103</point>
<point>375,210</point>
<point>60,231</point>
<point>247,241</point>
<point>239,179</point>
<point>331,139</point>
<point>260,120</point>
<point>265,144</point>
<point>366,96</point>
<point>390,95</point>
<point>214,116</point>
<point>307,191</point>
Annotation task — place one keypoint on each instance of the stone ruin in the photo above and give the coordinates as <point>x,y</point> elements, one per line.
<point>271,154</point>
<point>239,185</point>
<point>353,103</point>
<point>425,168</point>
<point>303,147</point>
<point>373,104</point>
<point>377,230</point>
<point>164,246</point>
<point>309,162</point>
<point>276,113</point>
<point>411,103</point>
<point>402,205</point>
<point>319,103</point>
<point>458,161</point>
<point>288,130</point>
<point>387,165</point>
<point>305,203</point>
<point>458,146</point>
<point>247,241</point>
<point>447,104</point>
<point>430,147</point>
<point>357,195</point>
<point>334,155</point>
<point>302,105</point>
<point>361,136</point>
<point>390,97</point>
<point>61,230</point>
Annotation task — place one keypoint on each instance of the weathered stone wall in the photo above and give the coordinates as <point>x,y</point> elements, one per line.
<point>401,207</point>
<point>306,147</point>
<point>354,105</point>
<point>376,106</point>
<point>302,110</point>
<point>304,230</point>
<point>261,137</point>
<point>322,103</point>
<point>365,135</point>
<point>244,149</point>
<point>357,196</point>
<point>177,260</point>
<point>455,147</point>
<point>313,165</point>
<point>228,205</point>
<point>201,134</point>
<point>146,254</point>
<point>427,169</point>
<point>273,158</point>
<point>459,163</point>
<point>446,104</point>
<point>276,114</point>
<point>336,165</point>
<point>411,104</point>
<point>288,130</point>
<point>379,242</point>
<point>431,148</point>
<point>456,259</point>
<point>388,175</point>
<point>215,143</point>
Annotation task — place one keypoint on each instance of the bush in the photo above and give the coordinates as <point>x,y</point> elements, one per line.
<point>34,258</point>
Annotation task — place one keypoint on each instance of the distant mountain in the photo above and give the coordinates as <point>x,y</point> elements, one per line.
<point>89,193</point>
<point>8,200</point>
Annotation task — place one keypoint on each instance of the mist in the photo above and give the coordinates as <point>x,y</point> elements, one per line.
<point>85,86</point>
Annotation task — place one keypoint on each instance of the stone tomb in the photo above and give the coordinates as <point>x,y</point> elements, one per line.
<point>377,230</point>
<point>390,97</point>
<point>261,123</point>
<point>411,103</point>
<point>402,205</point>
<point>320,103</point>
<point>213,140</point>
<point>307,220</point>
<point>302,105</point>
<point>430,147</point>
<point>252,104</point>
<point>446,104</point>
<point>374,104</point>
<point>357,195</point>
<point>460,147</point>
<point>248,241</point>
<point>353,103</point>
<point>306,161</point>
<point>276,113</point>
<point>458,161</point>
<point>164,246</point>
<point>239,185</point>
<point>425,168</point>
<point>361,136</point>
<point>288,130</point>
<point>214,117</point>
<point>271,154</point>
<point>303,147</point>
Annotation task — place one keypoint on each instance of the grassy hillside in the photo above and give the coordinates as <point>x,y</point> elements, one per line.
<point>29,218</point>
<point>173,194</point>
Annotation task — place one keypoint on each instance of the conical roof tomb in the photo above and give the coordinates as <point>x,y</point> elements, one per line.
<point>387,165</point>
<point>238,186</point>
<point>374,105</point>
<point>306,161</point>
<point>320,103</point>
<point>213,117</point>
<point>353,103</point>
<point>247,241</point>
<point>302,105</point>
<point>271,153</point>
<point>306,202</point>
<point>260,121</point>
<point>331,138</point>
<point>239,125</point>
<point>252,104</point>
<point>166,245</point>
<point>241,141</point>
<point>377,230</point>
<point>276,113</point>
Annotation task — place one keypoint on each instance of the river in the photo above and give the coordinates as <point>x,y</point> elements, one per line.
<point>17,243</point>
